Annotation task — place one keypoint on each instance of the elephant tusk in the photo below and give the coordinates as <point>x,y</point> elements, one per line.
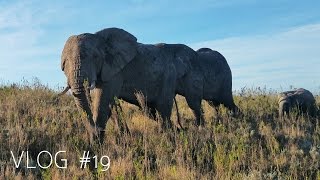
<point>66,89</point>
<point>93,85</point>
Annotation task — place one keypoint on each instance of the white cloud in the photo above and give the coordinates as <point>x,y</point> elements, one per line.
<point>273,60</point>
<point>23,55</point>
<point>282,59</point>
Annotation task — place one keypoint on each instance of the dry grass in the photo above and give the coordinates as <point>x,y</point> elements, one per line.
<point>255,146</point>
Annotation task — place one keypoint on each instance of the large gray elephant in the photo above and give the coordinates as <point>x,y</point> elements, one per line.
<point>202,74</point>
<point>112,63</point>
<point>301,99</point>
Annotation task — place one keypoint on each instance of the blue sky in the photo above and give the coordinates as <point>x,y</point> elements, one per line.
<point>273,43</point>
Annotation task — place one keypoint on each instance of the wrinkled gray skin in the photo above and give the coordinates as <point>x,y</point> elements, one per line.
<point>301,99</point>
<point>202,74</point>
<point>112,63</point>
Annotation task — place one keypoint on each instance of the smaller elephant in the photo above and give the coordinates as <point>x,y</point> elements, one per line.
<point>301,99</point>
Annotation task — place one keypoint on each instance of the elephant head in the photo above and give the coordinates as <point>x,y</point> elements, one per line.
<point>91,59</point>
<point>285,103</point>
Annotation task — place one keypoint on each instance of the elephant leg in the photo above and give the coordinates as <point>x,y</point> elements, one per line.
<point>121,123</point>
<point>194,95</point>
<point>165,100</point>
<point>153,112</point>
<point>101,108</point>
<point>103,100</point>
<point>312,110</point>
<point>195,104</point>
<point>165,112</point>
<point>235,112</point>
<point>215,105</point>
<point>228,102</point>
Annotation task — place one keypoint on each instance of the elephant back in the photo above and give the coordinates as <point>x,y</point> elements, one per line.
<point>120,48</point>
<point>213,64</point>
<point>205,50</point>
<point>116,34</point>
<point>304,96</point>
<point>182,56</point>
<point>211,55</point>
<point>120,44</point>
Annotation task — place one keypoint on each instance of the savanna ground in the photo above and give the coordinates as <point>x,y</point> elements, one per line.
<point>258,145</point>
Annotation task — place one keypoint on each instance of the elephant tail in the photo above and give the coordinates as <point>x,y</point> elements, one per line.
<point>178,114</point>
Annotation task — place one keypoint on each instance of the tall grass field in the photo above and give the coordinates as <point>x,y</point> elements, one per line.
<point>257,145</point>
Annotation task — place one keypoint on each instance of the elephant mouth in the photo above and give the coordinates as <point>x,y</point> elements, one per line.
<point>82,98</point>
<point>67,88</point>
<point>80,87</point>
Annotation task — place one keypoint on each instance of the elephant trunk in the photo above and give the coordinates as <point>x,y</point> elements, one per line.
<point>281,112</point>
<point>81,92</point>
<point>283,108</point>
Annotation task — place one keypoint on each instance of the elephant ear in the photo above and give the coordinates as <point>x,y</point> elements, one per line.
<point>293,98</point>
<point>120,48</point>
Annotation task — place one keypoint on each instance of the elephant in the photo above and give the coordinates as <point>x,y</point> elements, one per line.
<point>111,63</point>
<point>202,74</point>
<point>301,99</point>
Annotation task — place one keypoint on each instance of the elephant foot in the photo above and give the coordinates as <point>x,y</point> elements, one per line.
<point>200,127</point>
<point>236,112</point>
<point>101,135</point>
<point>179,128</point>
<point>91,132</point>
<point>200,122</point>
<point>96,134</point>
<point>167,125</point>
